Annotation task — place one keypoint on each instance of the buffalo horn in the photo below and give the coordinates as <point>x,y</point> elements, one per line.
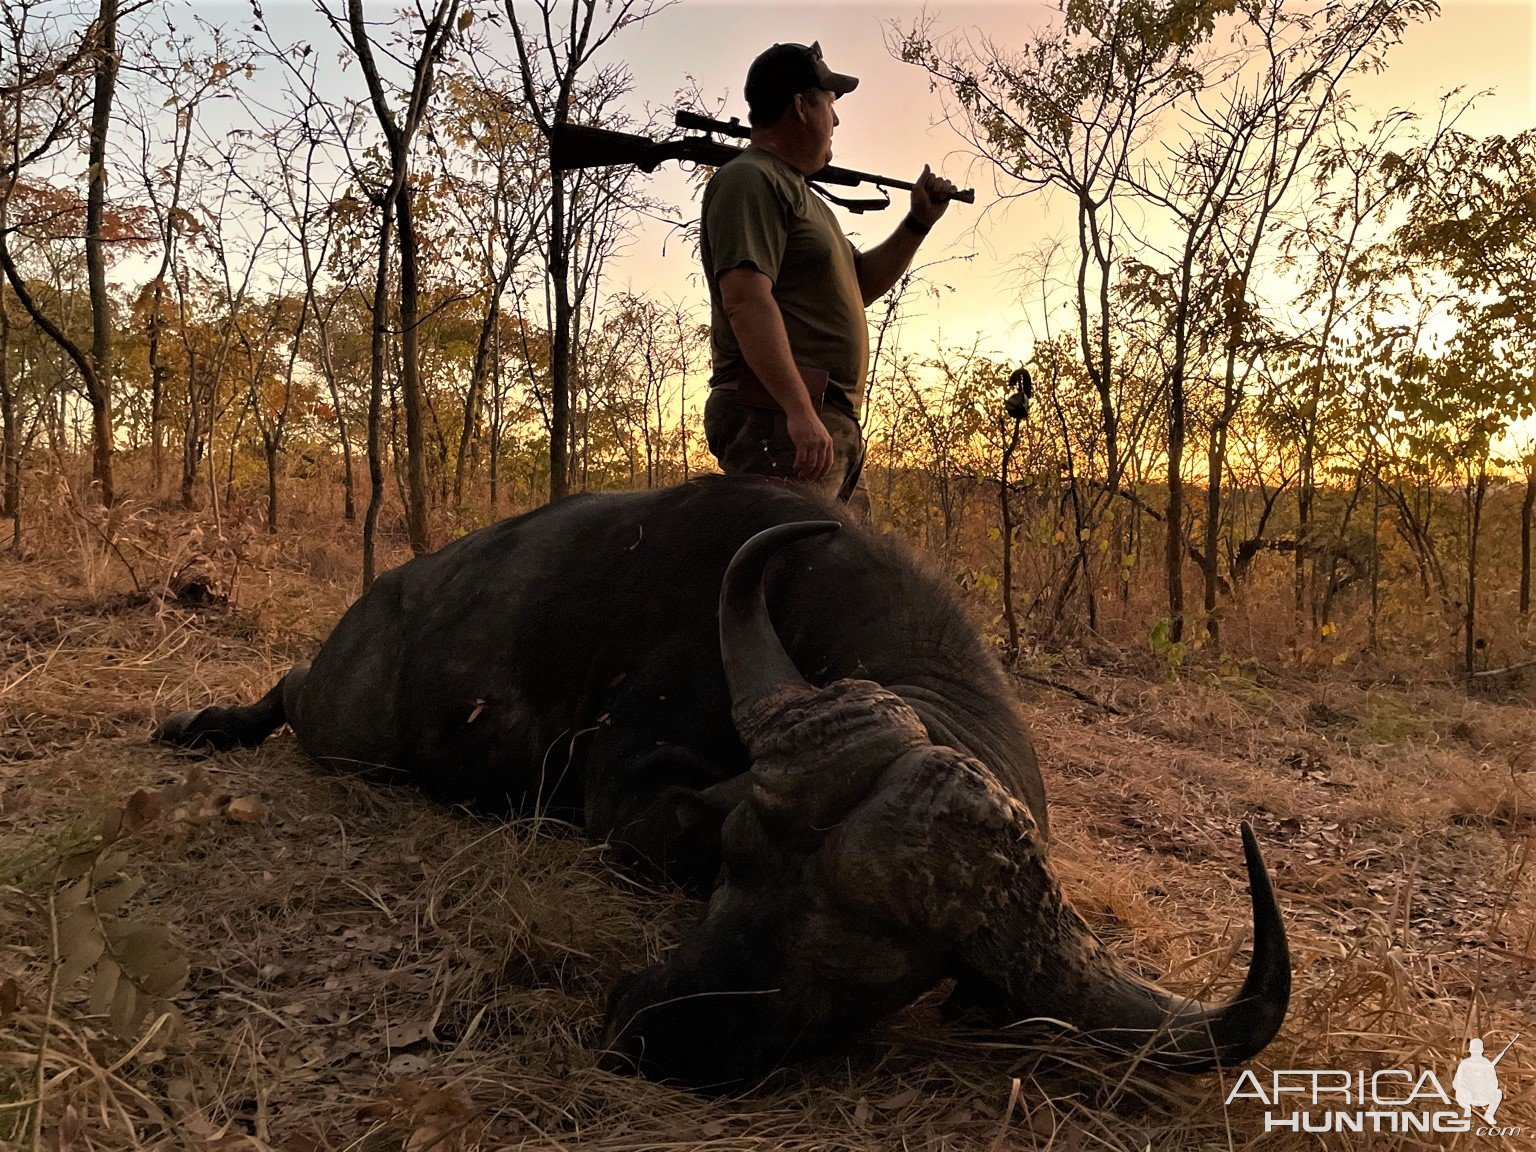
<point>756,665</point>
<point>1193,1036</point>
<point>1083,985</point>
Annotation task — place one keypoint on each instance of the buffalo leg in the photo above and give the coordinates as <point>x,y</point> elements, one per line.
<point>219,727</point>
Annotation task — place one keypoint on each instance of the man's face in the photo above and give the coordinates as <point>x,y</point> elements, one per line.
<point>820,118</point>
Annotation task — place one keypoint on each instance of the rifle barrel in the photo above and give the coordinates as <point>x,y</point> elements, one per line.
<point>831,175</point>
<point>694,122</point>
<point>582,146</point>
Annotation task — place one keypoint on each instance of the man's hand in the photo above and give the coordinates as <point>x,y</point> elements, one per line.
<point>930,197</point>
<point>813,444</point>
<point>759,327</point>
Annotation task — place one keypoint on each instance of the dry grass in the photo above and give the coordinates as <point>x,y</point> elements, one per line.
<point>369,971</point>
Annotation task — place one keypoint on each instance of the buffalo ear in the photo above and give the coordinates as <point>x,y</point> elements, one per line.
<point>677,833</point>
<point>692,811</point>
<point>705,809</point>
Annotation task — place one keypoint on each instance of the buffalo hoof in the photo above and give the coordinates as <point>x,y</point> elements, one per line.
<point>174,729</point>
<point>193,730</point>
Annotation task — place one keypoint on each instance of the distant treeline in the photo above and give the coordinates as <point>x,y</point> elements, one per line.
<point>1282,354</point>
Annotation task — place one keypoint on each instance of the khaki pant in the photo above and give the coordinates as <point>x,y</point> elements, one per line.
<point>751,441</point>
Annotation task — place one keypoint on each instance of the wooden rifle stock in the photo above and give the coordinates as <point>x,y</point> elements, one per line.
<point>575,146</point>
<point>578,146</point>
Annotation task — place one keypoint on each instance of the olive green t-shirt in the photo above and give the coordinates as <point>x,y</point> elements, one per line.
<point>760,213</point>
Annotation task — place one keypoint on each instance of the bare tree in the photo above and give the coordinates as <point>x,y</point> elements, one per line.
<point>551,64</point>
<point>1330,234</point>
<point>1069,113</point>
<point>1272,124</point>
<point>99,383</point>
<point>10,432</point>
<point>207,336</point>
<point>484,119</point>
<point>317,207</point>
<point>393,202</point>
<point>1527,512</point>
<point>43,99</point>
<point>185,79</point>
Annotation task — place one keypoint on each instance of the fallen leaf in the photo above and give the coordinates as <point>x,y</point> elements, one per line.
<point>246,810</point>
<point>410,1065</point>
<point>142,808</point>
<point>404,1035</point>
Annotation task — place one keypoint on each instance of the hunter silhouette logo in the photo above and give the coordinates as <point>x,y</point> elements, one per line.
<point>1397,1100</point>
<point>1476,1082</point>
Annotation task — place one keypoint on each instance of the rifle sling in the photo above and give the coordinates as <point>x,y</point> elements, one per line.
<point>854,205</point>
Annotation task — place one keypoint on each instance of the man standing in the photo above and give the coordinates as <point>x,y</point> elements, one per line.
<point>787,290</point>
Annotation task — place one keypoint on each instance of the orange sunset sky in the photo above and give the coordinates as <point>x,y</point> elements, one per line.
<point>893,125</point>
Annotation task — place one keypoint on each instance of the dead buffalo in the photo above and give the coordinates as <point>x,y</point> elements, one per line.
<point>797,720</point>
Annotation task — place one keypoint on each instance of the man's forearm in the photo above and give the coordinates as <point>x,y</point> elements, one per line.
<point>881,266</point>
<point>765,346</point>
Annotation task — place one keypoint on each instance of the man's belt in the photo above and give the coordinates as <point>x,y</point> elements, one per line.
<point>751,391</point>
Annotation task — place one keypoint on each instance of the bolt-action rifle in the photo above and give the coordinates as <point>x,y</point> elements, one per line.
<point>580,146</point>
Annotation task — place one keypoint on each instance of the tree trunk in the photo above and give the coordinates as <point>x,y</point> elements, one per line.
<point>191,453</point>
<point>1210,563</point>
<point>226,501</point>
<point>474,399</point>
<point>79,358</point>
<point>376,395</point>
<point>1476,490</point>
<point>10,434</point>
<point>396,199</point>
<point>1098,347</point>
<point>1331,587</point>
<point>158,373</point>
<point>99,389</point>
<point>1005,497</point>
<point>1375,557</point>
<point>493,462</point>
<point>1304,496</point>
<point>1173,551</point>
<point>1527,508</point>
<point>349,487</point>
<point>328,370</point>
<point>269,450</point>
<point>559,348</point>
<point>410,379</point>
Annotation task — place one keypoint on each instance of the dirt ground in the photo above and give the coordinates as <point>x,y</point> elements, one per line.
<point>332,965</point>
